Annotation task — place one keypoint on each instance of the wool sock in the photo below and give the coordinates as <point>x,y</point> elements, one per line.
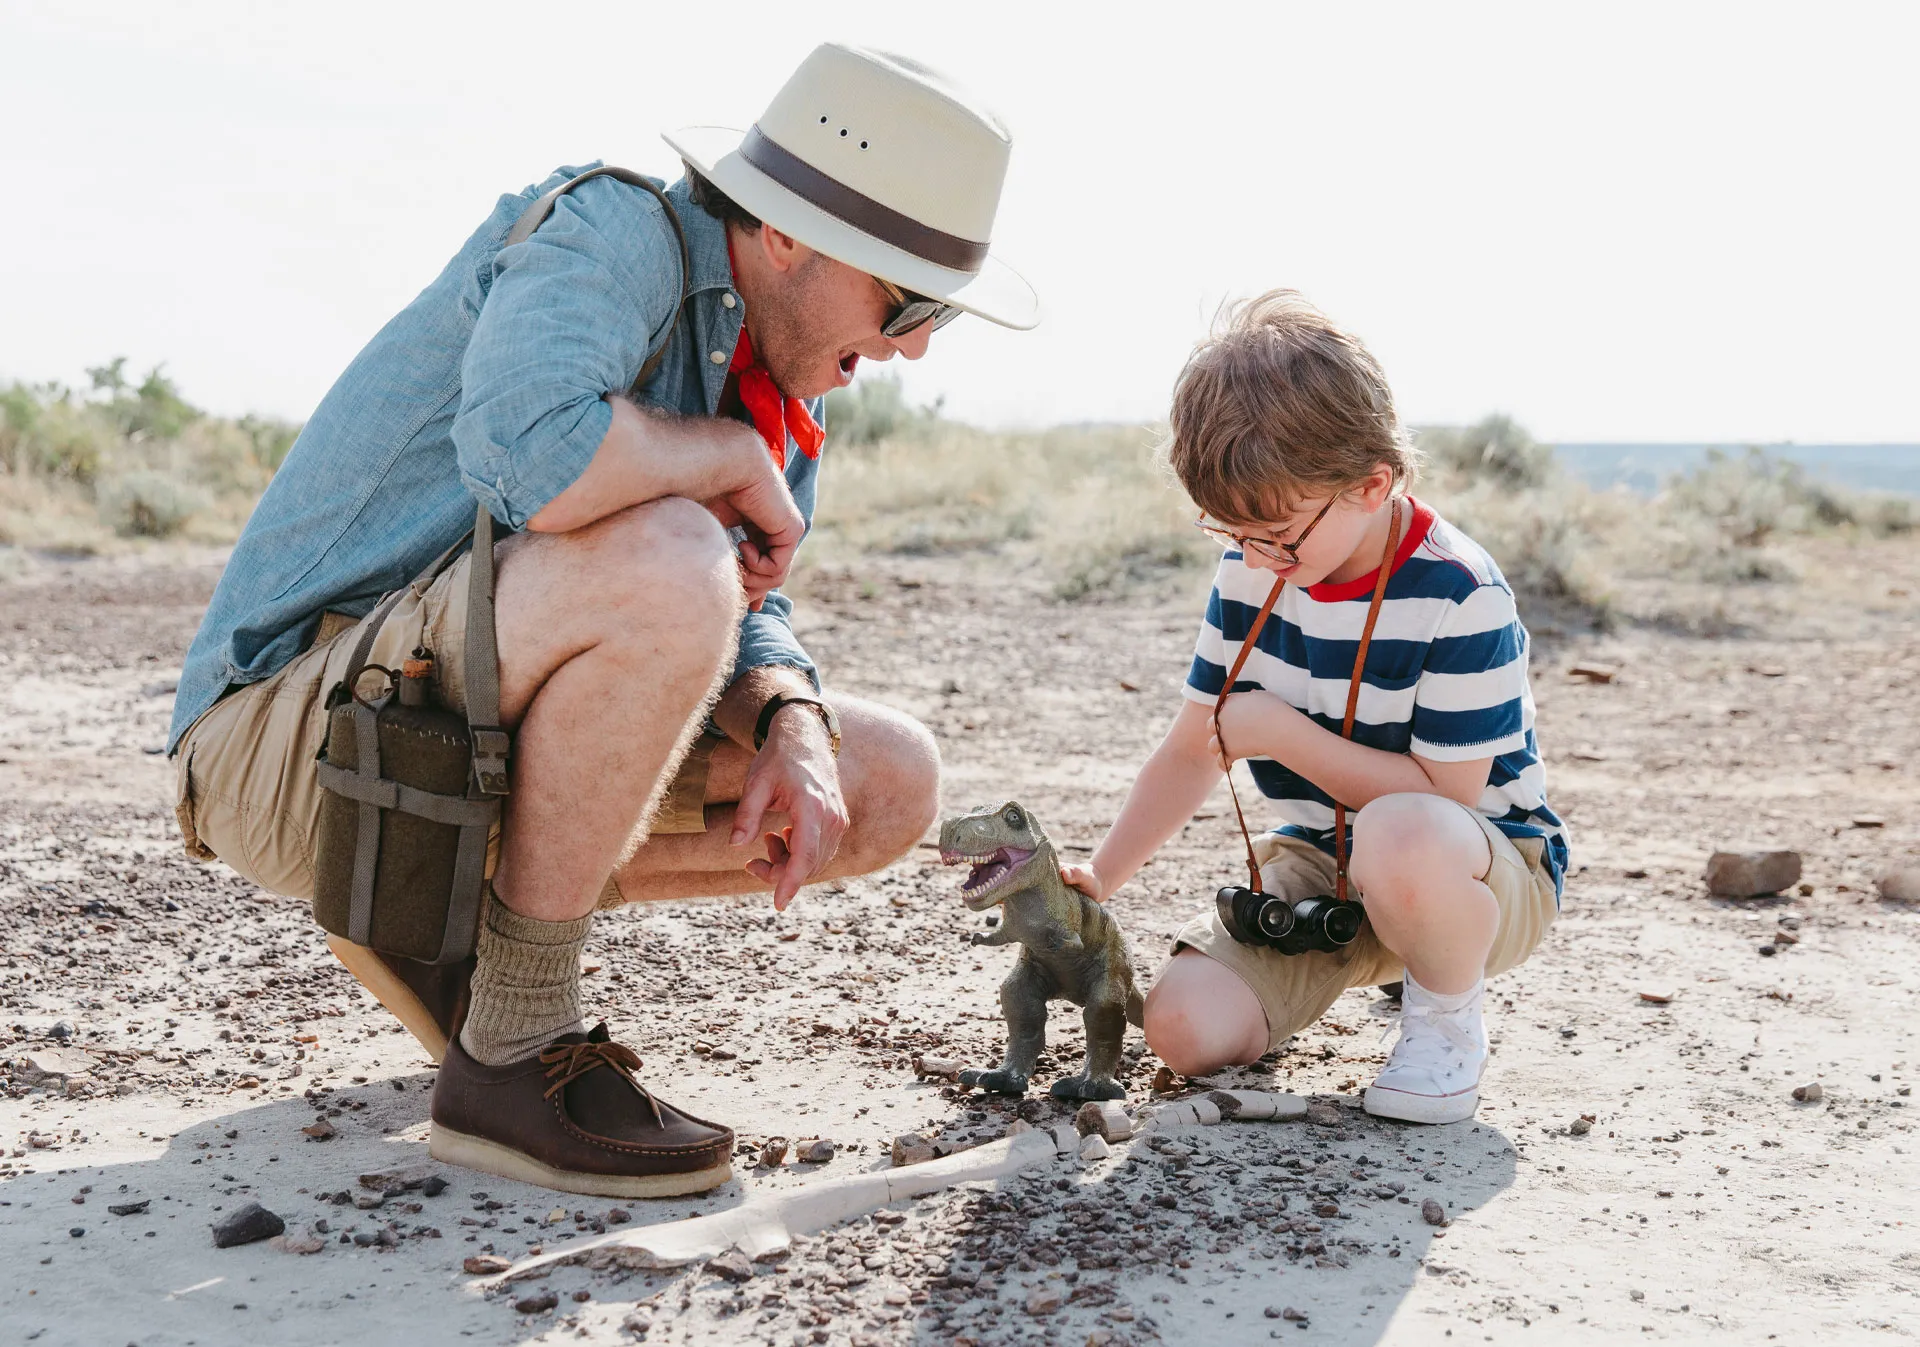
<point>526,984</point>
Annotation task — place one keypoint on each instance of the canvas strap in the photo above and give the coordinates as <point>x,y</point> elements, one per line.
<point>1346,724</point>
<point>542,206</point>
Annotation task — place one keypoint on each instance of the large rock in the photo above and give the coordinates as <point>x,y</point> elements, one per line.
<point>1752,873</point>
<point>247,1224</point>
<point>44,1063</point>
<point>1901,884</point>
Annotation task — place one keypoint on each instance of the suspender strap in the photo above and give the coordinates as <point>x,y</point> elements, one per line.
<point>1346,724</point>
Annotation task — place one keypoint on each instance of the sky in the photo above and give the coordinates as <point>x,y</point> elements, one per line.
<point>1619,221</point>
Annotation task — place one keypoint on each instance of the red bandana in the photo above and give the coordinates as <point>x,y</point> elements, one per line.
<point>774,415</point>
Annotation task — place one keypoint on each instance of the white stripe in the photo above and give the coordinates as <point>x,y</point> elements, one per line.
<point>1475,691</point>
<point>1488,608</point>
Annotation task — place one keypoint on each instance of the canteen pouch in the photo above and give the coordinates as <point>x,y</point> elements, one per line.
<point>410,791</point>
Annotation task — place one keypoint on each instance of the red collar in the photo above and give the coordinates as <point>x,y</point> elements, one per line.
<point>773,414</point>
<point>1361,588</point>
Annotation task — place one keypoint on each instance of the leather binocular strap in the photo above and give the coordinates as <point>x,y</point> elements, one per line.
<point>1346,725</point>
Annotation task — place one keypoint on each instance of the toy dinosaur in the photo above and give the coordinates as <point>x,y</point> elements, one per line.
<point>1070,949</point>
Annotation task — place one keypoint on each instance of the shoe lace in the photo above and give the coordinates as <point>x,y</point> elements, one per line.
<point>567,1062</point>
<point>1430,1037</point>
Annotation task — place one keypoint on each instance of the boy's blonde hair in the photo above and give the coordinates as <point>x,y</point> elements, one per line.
<point>1278,406</point>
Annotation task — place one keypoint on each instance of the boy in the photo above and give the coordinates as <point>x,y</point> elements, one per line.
<point>1284,434</point>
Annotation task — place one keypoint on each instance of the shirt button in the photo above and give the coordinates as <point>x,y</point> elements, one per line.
<point>717,357</point>
<point>727,301</point>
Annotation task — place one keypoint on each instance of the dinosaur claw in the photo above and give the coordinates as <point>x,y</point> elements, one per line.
<point>1087,1087</point>
<point>999,1082</point>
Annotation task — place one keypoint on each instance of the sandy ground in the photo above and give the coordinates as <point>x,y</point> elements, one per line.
<point>203,1026</point>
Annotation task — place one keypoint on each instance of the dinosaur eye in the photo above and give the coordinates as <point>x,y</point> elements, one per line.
<point>1014,818</point>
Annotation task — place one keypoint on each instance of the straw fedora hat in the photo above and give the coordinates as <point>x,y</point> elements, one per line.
<point>882,164</point>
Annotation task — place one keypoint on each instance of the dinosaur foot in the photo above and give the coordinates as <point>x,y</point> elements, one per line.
<point>1088,1087</point>
<point>999,1082</point>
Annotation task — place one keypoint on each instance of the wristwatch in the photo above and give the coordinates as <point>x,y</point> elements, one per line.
<point>780,699</point>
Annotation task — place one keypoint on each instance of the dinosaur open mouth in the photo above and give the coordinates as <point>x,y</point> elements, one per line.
<point>988,870</point>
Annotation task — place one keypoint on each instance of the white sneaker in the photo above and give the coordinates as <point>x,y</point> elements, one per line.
<point>1433,1074</point>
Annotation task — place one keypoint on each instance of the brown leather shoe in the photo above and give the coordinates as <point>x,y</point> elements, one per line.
<point>573,1118</point>
<point>430,999</point>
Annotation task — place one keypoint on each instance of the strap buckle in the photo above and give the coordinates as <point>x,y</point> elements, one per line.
<point>491,746</point>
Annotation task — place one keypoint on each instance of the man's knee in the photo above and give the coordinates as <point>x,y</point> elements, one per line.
<point>1201,1017</point>
<point>896,787</point>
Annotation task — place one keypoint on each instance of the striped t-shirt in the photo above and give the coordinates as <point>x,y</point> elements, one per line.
<point>1446,675</point>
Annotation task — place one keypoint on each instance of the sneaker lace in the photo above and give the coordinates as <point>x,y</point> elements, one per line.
<point>1430,1037</point>
<point>567,1062</point>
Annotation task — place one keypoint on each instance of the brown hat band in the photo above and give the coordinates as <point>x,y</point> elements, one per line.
<point>859,210</point>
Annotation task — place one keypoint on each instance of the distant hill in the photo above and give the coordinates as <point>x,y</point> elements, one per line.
<point>1645,467</point>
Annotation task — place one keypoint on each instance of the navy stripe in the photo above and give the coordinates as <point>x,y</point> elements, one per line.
<point>1464,729</point>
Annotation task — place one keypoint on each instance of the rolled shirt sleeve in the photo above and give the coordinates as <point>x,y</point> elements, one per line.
<point>570,317</point>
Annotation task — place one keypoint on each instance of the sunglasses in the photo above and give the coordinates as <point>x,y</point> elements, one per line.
<point>911,311</point>
<point>1287,554</point>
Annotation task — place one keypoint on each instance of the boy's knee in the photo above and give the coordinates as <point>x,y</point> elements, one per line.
<point>1400,839</point>
<point>1200,1017</point>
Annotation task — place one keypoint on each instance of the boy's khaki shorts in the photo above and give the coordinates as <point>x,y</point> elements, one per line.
<point>1296,989</point>
<point>247,791</point>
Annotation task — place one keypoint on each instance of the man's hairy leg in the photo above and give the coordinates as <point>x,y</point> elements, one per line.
<point>612,638</point>
<point>889,772</point>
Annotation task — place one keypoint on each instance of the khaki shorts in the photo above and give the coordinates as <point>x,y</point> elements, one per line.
<point>247,791</point>
<point>1296,989</point>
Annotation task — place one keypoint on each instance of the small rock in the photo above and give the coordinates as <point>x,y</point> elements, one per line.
<point>773,1152</point>
<point>910,1148</point>
<point>485,1264</point>
<point>1094,1148</point>
<point>306,1242</point>
<point>1323,1115</point>
<point>1594,672</point>
<point>1809,1094</point>
<point>1045,1300</point>
<point>433,1187</point>
<point>816,1152</point>
<point>1868,821</point>
<point>1293,1316</point>
<point>75,1232</point>
<point>131,1208</point>
<point>1164,1081</point>
<point>536,1304</point>
<point>62,1030</point>
<point>246,1225</point>
<point>1657,998</point>
<point>582,1296</point>
<point>637,1324</point>
<point>401,1178</point>
<point>322,1130</point>
<point>944,1067</point>
<point>369,1201</point>
<point>1019,1125</point>
<point>951,687</point>
<point>1752,873</point>
<point>1900,885</point>
<point>1768,950</point>
<point>1432,1212</point>
<point>1581,1125</point>
<point>1105,1118</point>
<point>732,1265</point>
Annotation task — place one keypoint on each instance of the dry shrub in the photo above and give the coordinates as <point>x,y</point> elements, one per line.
<point>81,468</point>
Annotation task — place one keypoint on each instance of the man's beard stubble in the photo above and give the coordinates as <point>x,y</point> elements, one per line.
<point>783,336</point>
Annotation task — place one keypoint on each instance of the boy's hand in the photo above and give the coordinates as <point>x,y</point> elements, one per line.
<point>1086,879</point>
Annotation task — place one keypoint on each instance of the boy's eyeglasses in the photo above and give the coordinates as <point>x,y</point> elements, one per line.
<point>1287,554</point>
<point>912,311</point>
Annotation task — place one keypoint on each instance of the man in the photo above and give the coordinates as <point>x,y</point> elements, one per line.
<point>638,605</point>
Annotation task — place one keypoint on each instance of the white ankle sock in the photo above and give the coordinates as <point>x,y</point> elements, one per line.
<point>1445,1001</point>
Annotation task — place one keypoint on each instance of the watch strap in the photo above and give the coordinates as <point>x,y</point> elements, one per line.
<point>764,724</point>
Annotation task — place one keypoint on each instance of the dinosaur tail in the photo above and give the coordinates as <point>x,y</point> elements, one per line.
<point>1136,1010</point>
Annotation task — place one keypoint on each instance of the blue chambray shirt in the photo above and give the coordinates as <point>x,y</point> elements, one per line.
<point>487,386</point>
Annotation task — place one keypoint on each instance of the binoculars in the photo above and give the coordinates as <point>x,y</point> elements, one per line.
<point>1322,923</point>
